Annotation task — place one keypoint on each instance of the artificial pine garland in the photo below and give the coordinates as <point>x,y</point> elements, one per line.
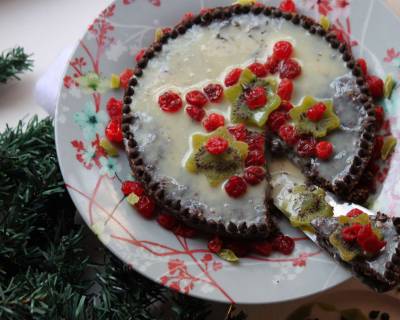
<point>14,62</point>
<point>44,265</point>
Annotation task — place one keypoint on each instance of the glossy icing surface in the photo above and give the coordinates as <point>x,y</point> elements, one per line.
<point>204,55</point>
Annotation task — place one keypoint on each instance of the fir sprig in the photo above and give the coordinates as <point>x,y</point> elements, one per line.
<point>44,264</point>
<point>13,62</point>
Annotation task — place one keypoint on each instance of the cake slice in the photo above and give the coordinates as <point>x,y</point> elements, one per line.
<point>367,245</point>
<point>196,110</point>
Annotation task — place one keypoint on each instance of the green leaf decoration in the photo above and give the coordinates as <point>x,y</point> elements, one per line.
<point>108,147</point>
<point>330,121</point>
<point>389,144</point>
<point>389,86</point>
<point>132,199</point>
<point>228,255</point>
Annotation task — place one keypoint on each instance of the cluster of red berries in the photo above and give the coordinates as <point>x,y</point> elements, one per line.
<point>363,235</point>
<point>305,146</point>
<point>281,243</point>
<point>113,130</point>
<point>375,84</point>
<point>254,171</point>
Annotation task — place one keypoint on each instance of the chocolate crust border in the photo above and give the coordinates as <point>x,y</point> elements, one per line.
<point>370,277</point>
<point>195,218</point>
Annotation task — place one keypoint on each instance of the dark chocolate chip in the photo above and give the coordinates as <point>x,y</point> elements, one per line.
<point>174,34</point>
<point>287,15</point>
<point>267,11</point>
<point>227,13</point>
<point>217,13</point>
<point>252,229</point>
<point>126,108</point>
<point>157,47</point>
<point>242,227</point>
<point>351,63</point>
<point>149,53</point>
<point>125,127</point>
<point>342,47</point>
<point>182,29</point>
<point>360,81</point>
<point>197,19</point>
<point>138,72</point>
<point>246,9</point>
<point>232,228</point>
<point>133,153</point>
<point>133,82</point>
<point>321,31</point>
<point>313,30</point>
<point>142,63</point>
<point>346,56</point>
<point>132,143</point>
<point>276,13</point>
<point>127,118</point>
<point>357,71</point>
<point>130,91</point>
<point>335,44</point>
<point>257,9</point>
<point>237,9</point>
<point>164,38</point>
<point>127,99</point>
<point>296,19</point>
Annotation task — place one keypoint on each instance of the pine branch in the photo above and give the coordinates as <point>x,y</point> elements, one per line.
<point>43,260</point>
<point>13,63</point>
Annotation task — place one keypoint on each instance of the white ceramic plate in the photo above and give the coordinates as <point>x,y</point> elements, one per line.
<point>185,265</point>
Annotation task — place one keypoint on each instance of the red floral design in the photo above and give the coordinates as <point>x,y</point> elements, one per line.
<point>155,3</point>
<point>324,7</point>
<point>178,276</point>
<point>80,148</point>
<point>301,260</point>
<point>391,54</point>
<point>343,32</point>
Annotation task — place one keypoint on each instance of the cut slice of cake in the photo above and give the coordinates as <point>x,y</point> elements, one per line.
<point>195,113</point>
<point>368,245</point>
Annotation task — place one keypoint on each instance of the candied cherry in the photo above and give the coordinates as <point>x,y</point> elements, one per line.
<point>285,89</point>
<point>124,77</point>
<point>214,92</point>
<point>287,6</point>
<point>255,98</point>
<point>289,69</point>
<point>235,187</point>
<point>255,158</point>
<point>167,221</point>
<point>140,55</point>
<point>277,119</point>
<point>305,147</point>
<point>363,65</point>
<point>272,64</point>
<point>239,131</point>
<point>213,121</point>
<point>282,50</point>
<point>258,69</point>
<point>216,145</point>
<point>185,231</point>
<point>377,148</point>
<point>349,234</point>
<point>263,248</point>
<point>254,175</point>
<point>114,131</point>
<point>232,77</point>
<point>114,108</point>
<point>376,86</point>
<point>170,101</point>
<point>316,112</point>
<point>196,113</point>
<point>354,213</point>
<point>285,106</point>
<point>283,244</point>
<point>256,141</point>
<point>196,98</point>
<point>215,245</point>
<point>324,150</point>
<point>146,206</point>
<point>128,187</point>
<point>288,134</point>
<point>380,116</point>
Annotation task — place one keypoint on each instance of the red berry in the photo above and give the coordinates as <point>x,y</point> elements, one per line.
<point>363,65</point>
<point>288,134</point>
<point>128,187</point>
<point>196,113</point>
<point>254,175</point>
<point>185,231</point>
<point>213,122</point>
<point>316,112</point>
<point>187,16</point>
<point>377,148</point>
<point>277,119</point>
<point>289,69</point>
<point>114,131</point>
<point>170,101</point>
<point>258,69</point>
<point>146,206</point>
<point>375,85</point>
<point>272,64</point>
<point>232,77</point>
<point>256,141</point>
<point>380,116</point>
<point>306,147</point>
<point>349,234</point>
<point>368,240</point>
<point>324,150</point>
<point>235,187</point>
<point>214,92</point>
<point>240,248</point>
<point>140,55</point>
<point>263,248</point>
<point>114,108</point>
<point>124,78</point>
<point>167,221</point>
<point>215,245</point>
<point>216,145</point>
<point>239,131</point>
<point>285,89</point>
<point>285,106</point>
<point>205,10</point>
<point>283,244</point>
<point>255,158</point>
<point>282,50</point>
<point>287,6</point>
<point>354,213</point>
<point>255,98</point>
<point>196,98</point>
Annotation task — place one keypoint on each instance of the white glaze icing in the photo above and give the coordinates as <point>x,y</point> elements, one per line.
<point>203,55</point>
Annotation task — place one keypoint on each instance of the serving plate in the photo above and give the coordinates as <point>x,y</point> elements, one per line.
<point>94,179</point>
